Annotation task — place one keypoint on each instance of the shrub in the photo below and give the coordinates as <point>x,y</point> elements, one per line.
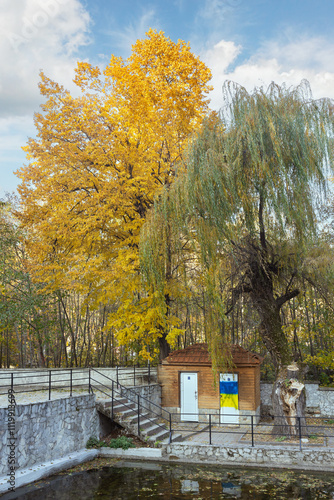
<point>93,442</point>
<point>121,442</point>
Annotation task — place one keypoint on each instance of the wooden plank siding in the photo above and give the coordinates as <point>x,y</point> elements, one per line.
<point>246,388</point>
<point>257,386</point>
<point>196,358</point>
<point>169,378</point>
<point>208,393</point>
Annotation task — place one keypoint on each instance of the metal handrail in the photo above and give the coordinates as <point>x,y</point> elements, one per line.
<point>147,405</point>
<point>138,398</point>
<point>129,389</point>
<point>211,430</point>
<point>75,377</point>
<point>126,404</point>
<point>46,383</point>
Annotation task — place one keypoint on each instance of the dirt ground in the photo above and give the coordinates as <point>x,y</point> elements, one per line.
<point>118,431</point>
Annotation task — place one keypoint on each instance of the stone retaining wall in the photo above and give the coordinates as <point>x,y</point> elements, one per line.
<point>48,430</point>
<point>319,400</point>
<point>317,458</point>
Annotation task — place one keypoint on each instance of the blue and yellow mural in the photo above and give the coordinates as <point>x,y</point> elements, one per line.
<point>228,386</point>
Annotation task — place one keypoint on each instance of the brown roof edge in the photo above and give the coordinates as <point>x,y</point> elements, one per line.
<point>199,354</point>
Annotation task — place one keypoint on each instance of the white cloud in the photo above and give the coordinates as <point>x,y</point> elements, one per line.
<point>305,58</point>
<point>128,35</point>
<point>35,35</point>
<point>301,51</point>
<point>217,11</point>
<point>14,132</point>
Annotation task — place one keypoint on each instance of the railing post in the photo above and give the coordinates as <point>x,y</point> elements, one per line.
<point>252,424</point>
<point>138,403</point>
<point>149,372</point>
<point>89,384</point>
<point>112,401</point>
<point>12,382</point>
<point>117,375</point>
<point>49,385</point>
<point>300,434</point>
<point>210,428</point>
<point>71,375</point>
<point>134,375</point>
<point>170,428</point>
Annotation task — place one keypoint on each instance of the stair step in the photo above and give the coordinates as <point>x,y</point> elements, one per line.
<point>160,435</point>
<point>145,420</point>
<point>147,423</point>
<point>126,413</point>
<point>155,429</point>
<point>175,438</point>
<point>117,401</point>
<point>122,408</point>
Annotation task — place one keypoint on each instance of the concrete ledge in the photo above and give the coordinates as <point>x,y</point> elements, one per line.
<point>39,471</point>
<point>147,453</point>
<point>36,472</point>
<point>317,459</point>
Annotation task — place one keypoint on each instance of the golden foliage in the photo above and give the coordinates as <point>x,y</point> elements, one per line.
<point>97,163</point>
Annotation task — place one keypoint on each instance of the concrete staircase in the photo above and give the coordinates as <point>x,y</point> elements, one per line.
<point>151,428</point>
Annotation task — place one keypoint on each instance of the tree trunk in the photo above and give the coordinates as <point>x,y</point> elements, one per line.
<point>164,347</point>
<point>289,403</point>
<point>288,396</point>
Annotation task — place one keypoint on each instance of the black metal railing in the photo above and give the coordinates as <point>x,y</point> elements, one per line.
<point>66,379</point>
<point>144,407</point>
<point>253,431</point>
<point>249,430</point>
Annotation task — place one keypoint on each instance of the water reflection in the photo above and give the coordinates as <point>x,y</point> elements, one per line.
<point>135,480</point>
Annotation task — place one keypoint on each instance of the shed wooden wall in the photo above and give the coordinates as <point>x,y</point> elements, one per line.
<point>208,394</point>
<point>247,388</point>
<point>169,378</point>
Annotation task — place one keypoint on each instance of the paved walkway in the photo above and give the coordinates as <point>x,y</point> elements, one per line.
<point>220,435</point>
<point>26,398</point>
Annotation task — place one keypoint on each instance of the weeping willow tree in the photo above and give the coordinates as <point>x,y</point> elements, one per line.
<point>248,200</point>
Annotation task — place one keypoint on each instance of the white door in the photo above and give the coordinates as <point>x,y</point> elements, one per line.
<point>229,398</point>
<point>189,397</point>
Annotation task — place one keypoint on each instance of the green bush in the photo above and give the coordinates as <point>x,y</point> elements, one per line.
<point>325,379</point>
<point>121,442</point>
<point>93,442</point>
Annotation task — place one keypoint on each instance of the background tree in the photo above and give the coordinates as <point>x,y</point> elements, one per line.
<point>26,315</point>
<point>249,199</point>
<point>97,163</point>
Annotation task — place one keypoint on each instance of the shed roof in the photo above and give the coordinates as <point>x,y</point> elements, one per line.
<point>198,354</point>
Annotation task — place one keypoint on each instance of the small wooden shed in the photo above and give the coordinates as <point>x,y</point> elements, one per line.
<point>188,388</point>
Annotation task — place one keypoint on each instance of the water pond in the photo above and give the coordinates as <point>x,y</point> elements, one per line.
<point>138,480</point>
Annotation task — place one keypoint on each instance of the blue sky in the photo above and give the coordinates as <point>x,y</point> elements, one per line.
<point>252,42</point>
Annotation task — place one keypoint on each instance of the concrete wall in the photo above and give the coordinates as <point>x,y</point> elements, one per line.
<point>48,430</point>
<point>319,400</point>
<point>271,456</point>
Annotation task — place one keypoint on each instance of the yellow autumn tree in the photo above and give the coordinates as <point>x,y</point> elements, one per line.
<point>97,163</point>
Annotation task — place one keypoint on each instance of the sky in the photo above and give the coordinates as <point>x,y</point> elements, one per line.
<point>251,42</point>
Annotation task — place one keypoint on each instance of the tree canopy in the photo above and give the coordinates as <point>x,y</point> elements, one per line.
<point>248,201</point>
<point>96,165</point>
